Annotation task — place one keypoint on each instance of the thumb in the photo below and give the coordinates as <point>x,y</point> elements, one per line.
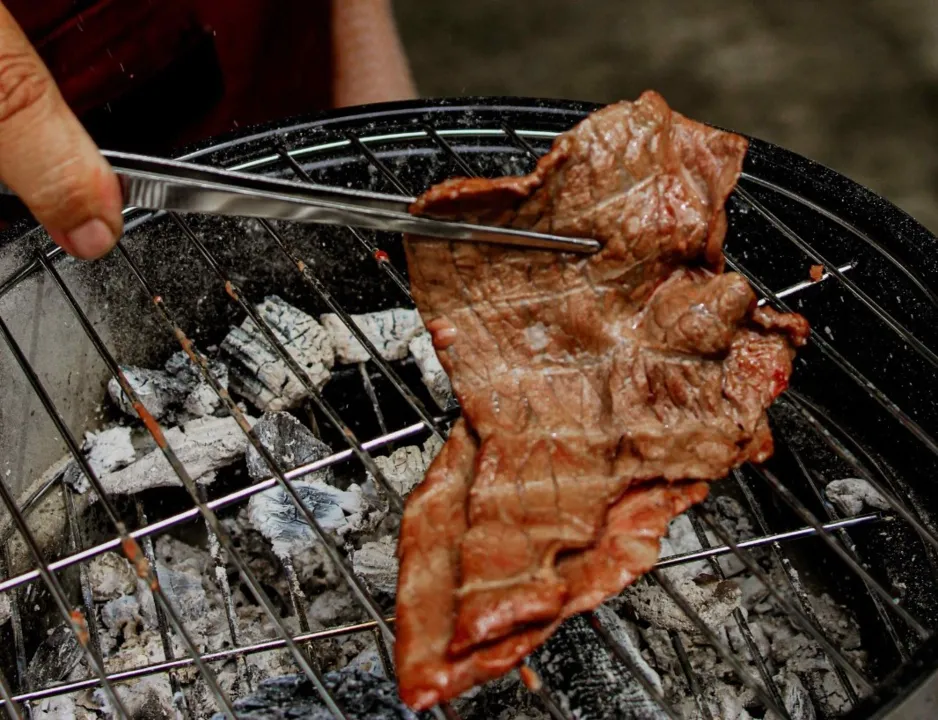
<point>47,158</point>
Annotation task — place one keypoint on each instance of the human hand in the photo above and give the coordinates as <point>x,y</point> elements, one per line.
<point>47,158</point>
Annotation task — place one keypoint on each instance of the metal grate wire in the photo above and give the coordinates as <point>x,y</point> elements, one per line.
<point>834,533</point>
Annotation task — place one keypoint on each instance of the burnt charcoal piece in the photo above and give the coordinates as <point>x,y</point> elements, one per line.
<point>360,694</point>
<point>273,512</point>
<point>592,684</point>
<point>290,442</point>
<point>389,331</point>
<point>54,659</point>
<point>593,389</point>
<point>175,394</point>
<point>258,374</point>
<point>431,372</point>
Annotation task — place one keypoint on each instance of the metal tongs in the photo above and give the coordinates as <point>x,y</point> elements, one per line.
<point>155,184</point>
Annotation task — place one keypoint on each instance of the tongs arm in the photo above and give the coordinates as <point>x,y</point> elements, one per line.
<point>156,184</point>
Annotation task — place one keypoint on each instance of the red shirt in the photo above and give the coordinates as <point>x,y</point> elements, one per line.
<point>151,75</point>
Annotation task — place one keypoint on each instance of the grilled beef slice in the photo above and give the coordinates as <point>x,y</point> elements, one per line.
<point>597,392</point>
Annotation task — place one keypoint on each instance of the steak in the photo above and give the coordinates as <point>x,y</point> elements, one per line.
<point>599,393</point>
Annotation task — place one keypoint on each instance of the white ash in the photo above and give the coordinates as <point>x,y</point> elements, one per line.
<point>432,374</point>
<point>339,512</point>
<point>406,466</point>
<point>273,512</point>
<point>290,443</point>
<point>803,673</point>
<point>376,564</point>
<point>6,608</point>
<point>390,331</point>
<point>110,449</point>
<point>110,577</point>
<point>852,495</point>
<point>203,445</point>
<point>175,394</point>
<point>259,375</point>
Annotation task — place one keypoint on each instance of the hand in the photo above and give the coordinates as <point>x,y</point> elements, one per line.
<point>47,158</point>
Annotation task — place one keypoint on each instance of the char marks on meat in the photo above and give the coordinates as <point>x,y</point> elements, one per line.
<point>598,393</point>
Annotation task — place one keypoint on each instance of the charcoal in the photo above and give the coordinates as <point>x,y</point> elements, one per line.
<point>852,495</point>
<point>175,394</point>
<point>290,442</point>
<point>203,445</point>
<point>6,607</point>
<point>259,375</point>
<point>390,331</point>
<point>110,449</point>
<point>110,576</point>
<point>431,372</point>
<point>338,512</point>
<point>578,668</point>
<point>376,564</point>
<point>360,694</point>
<point>406,466</point>
<point>55,657</point>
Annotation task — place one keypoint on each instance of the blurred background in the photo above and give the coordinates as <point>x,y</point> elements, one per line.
<point>852,84</point>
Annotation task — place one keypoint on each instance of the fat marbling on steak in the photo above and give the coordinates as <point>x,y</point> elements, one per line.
<point>598,393</point>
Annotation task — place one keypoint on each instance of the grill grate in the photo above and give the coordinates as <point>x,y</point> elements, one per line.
<point>453,146</point>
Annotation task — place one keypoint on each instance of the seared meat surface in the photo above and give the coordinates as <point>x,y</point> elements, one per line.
<point>597,392</point>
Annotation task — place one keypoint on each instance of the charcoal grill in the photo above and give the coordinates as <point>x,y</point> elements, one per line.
<point>862,402</point>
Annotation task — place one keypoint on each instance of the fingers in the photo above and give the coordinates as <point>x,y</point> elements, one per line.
<point>47,158</point>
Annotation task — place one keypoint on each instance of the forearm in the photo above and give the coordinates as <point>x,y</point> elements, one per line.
<point>369,60</point>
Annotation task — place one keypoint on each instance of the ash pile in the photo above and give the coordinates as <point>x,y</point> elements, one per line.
<point>222,615</point>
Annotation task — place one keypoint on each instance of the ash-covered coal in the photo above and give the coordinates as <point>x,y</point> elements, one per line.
<point>406,466</point>
<point>275,514</point>
<point>854,495</point>
<point>259,374</point>
<point>362,695</point>
<point>587,681</point>
<point>176,393</point>
<point>389,331</point>
<point>431,371</point>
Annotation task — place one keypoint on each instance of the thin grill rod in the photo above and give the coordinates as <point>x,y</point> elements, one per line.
<point>378,164</point>
<point>794,580</point>
<point>809,411</point>
<point>234,292</point>
<point>520,141</point>
<point>10,704</point>
<point>180,663</point>
<point>623,657</point>
<point>358,589</point>
<point>855,375</point>
<point>844,538</point>
<point>443,144</point>
<point>31,502</point>
<point>163,626</point>
<point>215,527</point>
<point>809,517</point>
<point>380,256</point>
<point>76,542</point>
<point>863,237</point>
<point>16,620</point>
<point>805,284</point>
<point>728,656</point>
<point>193,512</point>
<point>692,683</point>
<point>741,623</point>
<point>323,293</point>
<point>855,290</point>
<point>792,611</point>
<point>129,546</point>
<point>532,681</point>
<point>373,397</point>
<point>74,618</point>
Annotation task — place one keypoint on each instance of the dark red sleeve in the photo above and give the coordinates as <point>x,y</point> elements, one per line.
<point>150,75</point>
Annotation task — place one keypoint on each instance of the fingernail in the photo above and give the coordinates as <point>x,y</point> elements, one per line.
<point>91,239</point>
